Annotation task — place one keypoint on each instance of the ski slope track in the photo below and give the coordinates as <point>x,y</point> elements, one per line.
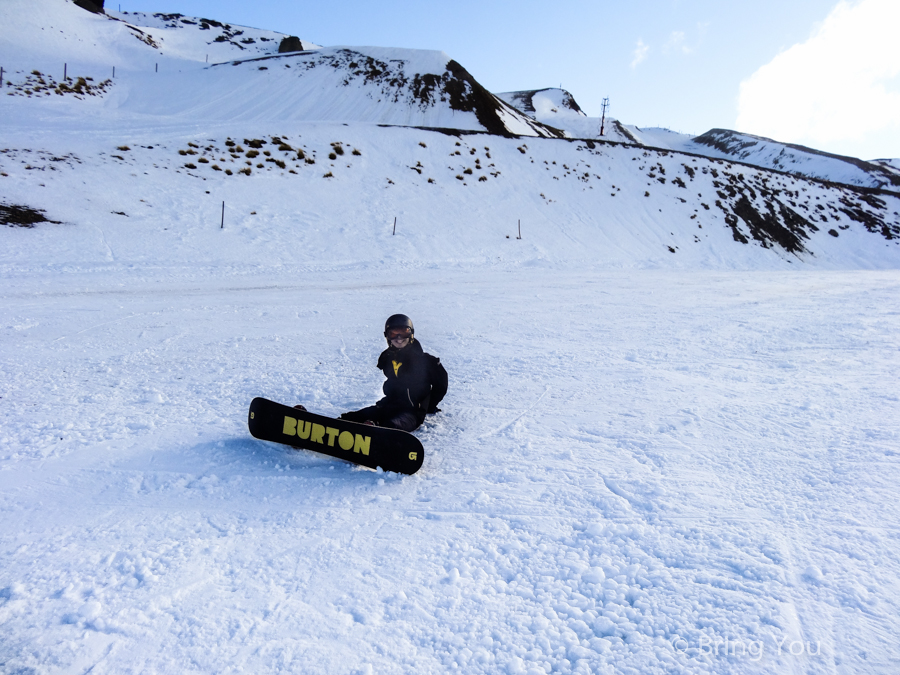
<point>670,443</point>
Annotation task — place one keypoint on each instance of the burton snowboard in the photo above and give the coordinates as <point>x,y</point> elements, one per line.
<point>390,449</point>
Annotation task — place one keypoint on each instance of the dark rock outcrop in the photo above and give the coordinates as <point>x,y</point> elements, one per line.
<point>16,215</point>
<point>95,6</point>
<point>290,44</point>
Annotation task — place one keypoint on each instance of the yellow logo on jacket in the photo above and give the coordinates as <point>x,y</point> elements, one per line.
<point>396,368</point>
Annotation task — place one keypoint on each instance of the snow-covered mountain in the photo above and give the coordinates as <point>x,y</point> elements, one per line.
<point>386,86</point>
<point>340,84</point>
<point>795,159</point>
<point>274,97</point>
<point>557,107</point>
<point>45,34</point>
<point>892,165</point>
<point>382,86</point>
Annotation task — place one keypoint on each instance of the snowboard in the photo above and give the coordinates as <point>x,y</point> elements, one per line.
<point>390,449</point>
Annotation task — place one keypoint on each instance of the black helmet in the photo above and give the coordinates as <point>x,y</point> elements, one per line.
<point>398,321</point>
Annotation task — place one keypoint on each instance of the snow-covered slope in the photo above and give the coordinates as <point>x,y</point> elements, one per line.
<point>794,159</point>
<point>359,84</point>
<point>659,207</point>
<point>609,205</point>
<point>647,472</point>
<point>558,108</point>
<point>45,34</point>
<point>200,39</point>
<point>545,102</point>
<point>167,66</point>
<point>892,165</point>
<point>769,154</point>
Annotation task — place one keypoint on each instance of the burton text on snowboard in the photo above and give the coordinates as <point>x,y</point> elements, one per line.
<point>390,449</point>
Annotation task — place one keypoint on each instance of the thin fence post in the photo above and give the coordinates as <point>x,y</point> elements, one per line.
<point>395,225</point>
<point>223,215</point>
<point>65,72</point>
<point>114,72</point>
<point>1,77</point>
<point>157,67</point>
<point>520,229</point>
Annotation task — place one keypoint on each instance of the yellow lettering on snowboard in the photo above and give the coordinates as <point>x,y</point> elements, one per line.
<point>316,433</point>
<point>345,440</point>
<point>290,426</point>
<point>362,444</point>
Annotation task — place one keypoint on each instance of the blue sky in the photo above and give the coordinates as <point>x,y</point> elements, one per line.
<point>687,65</point>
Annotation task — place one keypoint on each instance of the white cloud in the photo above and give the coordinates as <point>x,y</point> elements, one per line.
<point>838,90</point>
<point>676,43</point>
<point>639,54</point>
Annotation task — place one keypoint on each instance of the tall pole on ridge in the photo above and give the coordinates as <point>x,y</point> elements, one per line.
<point>603,116</point>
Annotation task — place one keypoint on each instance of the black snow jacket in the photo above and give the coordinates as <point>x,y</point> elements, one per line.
<point>416,381</point>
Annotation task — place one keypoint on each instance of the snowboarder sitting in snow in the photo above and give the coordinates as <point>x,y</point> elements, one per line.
<point>416,381</point>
